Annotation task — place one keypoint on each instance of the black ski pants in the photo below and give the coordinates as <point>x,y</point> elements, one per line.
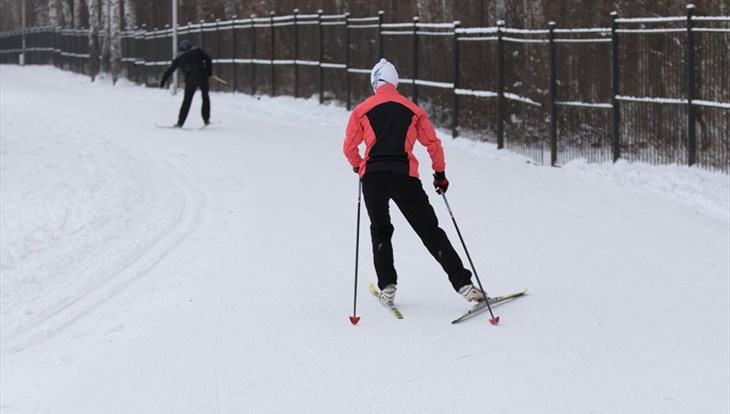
<point>191,85</point>
<point>407,192</point>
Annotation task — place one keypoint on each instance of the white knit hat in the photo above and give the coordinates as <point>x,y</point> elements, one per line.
<point>383,72</point>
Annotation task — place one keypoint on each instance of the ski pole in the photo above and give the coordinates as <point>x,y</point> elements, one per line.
<point>217,79</point>
<point>354,319</point>
<point>146,75</point>
<point>494,320</point>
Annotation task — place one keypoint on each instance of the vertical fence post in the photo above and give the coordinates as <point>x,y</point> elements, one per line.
<point>201,36</point>
<point>691,115</point>
<point>273,53</point>
<point>153,54</point>
<point>415,59</point>
<point>616,118</point>
<point>83,35</point>
<point>348,80</point>
<point>253,54</point>
<point>500,85</point>
<point>144,52</point>
<point>553,97</point>
<point>234,54</point>
<point>77,51</point>
<point>296,53</point>
<point>321,55</point>
<point>381,47</point>
<point>24,33</point>
<point>218,45</point>
<point>457,65</point>
<point>54,45</point>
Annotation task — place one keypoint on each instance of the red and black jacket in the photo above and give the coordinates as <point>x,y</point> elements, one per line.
<point>390,124</point>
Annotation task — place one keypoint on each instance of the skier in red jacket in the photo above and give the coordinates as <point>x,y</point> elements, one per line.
<point>390,125</point>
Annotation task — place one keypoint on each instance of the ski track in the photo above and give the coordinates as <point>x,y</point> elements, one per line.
<point>352,391</point>
<point>186,222</point>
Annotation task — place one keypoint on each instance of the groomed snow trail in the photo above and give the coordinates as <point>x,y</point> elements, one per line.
<point>147,270</point>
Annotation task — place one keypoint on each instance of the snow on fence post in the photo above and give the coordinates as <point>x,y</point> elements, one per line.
<point>691,115</point>
<point>273,53</point>
<point>381,43</point>
<point>296,53</point>
<point>500,84</point>
<point>415,59</point>
<point>457,64</point>
<point>253,54</point>
<point>320,12</point>
<point>616,115</point>
<point>348,79</point>
<point>553,96</point>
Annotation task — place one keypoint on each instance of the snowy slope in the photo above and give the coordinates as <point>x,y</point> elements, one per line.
<point>149,270</point>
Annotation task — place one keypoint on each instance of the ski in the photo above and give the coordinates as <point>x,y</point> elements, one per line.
<point>482,306</point>
<point>172,127</point>
<point>393,310</point>
<point>208,124</point>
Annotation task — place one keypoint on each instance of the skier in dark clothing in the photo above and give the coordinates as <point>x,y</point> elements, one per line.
<point>197,67</point>
<point>389,125</point>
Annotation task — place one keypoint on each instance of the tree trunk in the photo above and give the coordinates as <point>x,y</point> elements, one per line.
<point>67,19</point>
<point>77,14</point>
<point>53,13</point>
<point>229,9</point>
<point>105,33</point>
<point>93,7</point>
<point>199,10</point>
<point>130,15</point>
<point>115,38</point>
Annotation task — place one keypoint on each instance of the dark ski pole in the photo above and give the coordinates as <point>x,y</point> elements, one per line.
<point>146,75</point>
<point>495,319</point>
<point>354,319</point>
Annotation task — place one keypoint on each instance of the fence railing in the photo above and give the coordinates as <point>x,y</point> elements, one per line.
<point>645,89</point>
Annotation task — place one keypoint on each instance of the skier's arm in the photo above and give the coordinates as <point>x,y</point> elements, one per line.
<point>169,71</point>
<point>353,138</point>
<point>427,136</point>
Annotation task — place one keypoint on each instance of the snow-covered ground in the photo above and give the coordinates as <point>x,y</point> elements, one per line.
<point>149,270</point>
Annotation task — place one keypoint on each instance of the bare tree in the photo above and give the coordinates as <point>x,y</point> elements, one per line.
<point>434,10</point>
<point>93,7</point>
<point>229,9</point>
<point>105,33</point>
<point>130,14</point>
<point>77,13</point>
<point>199,10</point>
<point>66,15</point>
<point>53,13</point>
<point>115,38</point>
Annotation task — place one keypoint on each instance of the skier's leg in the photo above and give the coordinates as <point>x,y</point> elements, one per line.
<point>187,100</point>
<point>377,203</point>
<point>413,203</point>
<point>204,88</point>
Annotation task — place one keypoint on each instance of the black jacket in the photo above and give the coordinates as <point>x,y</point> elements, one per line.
<point>195,64</point>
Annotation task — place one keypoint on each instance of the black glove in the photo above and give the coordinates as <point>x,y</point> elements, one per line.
<point>356,169</point>
<point>440,182</point>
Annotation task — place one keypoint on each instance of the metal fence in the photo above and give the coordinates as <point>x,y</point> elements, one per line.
<point>645,89</point>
